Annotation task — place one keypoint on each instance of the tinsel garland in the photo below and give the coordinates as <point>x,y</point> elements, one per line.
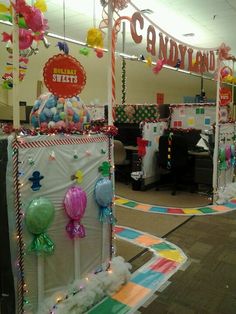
<point>91,129</point>
<point>123,81</point>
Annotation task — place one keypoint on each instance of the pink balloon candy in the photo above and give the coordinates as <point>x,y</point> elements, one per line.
<point>75,203</point>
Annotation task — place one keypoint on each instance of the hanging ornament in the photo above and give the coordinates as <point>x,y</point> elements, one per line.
<point>38,217</point>
<point>84,51</point>
<point>75,203</point>
<point>94,38</point>
<point>105,168</point>
<point>99,53</point>
<point>63,47</point>
<point>158,66</point>
<point>149,61</point>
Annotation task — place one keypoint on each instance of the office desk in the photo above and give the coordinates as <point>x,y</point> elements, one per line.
<point>203,167</point>
<point>132,148</point>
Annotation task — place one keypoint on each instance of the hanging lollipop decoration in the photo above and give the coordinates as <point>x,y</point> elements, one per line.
<point>32,27</point>
<point>38,217</point>
<point>75,203</point>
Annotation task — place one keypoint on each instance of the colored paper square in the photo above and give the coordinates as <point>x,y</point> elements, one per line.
<point>143,207</point>
<point>158,209</point>
<point>164,265</point>
<point>191,211</point>
<point>129,234</point>
<point>130,204</point>
<point>148,279</point>
<point>197,110</point>
<point>207,121</point>
<point>162,246</point>
<point>154,129</point>
<point>118,229</point>
<point>179,124</point>
<point>191,121</point>
<point>175,124</point>
<point>220,207</point>
<point>230,205</point>
<point>109,306</point>
<point>207,210</point>
<point>147,240</point>
<point>202,110</point>
<point>172,255</point>
<point>131,294</point>
<point>175,211</point>
<point>182,112</point>
<point>120,200</point>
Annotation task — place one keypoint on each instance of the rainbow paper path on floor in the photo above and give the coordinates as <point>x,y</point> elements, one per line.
<point>204,210</point>
<point>167,259</point>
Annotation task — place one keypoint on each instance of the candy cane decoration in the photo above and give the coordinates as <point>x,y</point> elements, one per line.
<point>19,230</point>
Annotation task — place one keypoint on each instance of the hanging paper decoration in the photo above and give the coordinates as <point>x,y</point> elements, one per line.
<point>149,61</point>
<point>158,66</point>
<point>95,38</point>
<point>103,197</point>
<point>75,203</point>
<point>84,51</point>
<point>63,47</point>
<point>32,27</point>
<point>141,146</point>
<point>38,217</point>
<point>99,52</point>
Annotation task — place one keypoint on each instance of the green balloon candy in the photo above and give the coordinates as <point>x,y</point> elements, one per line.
<point>39,215</point>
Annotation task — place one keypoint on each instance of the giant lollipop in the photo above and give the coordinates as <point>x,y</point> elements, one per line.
<point>75,203</point>
<point>39,215</point>
<point>103,196</point>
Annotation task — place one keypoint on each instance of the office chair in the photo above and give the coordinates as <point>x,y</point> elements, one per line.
<point>173,157</point>
<point>122,165</point>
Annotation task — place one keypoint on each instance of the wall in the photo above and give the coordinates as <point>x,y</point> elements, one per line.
<point>142,84</point>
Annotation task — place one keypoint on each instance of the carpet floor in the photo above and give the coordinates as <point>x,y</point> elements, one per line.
<point>208,284</point>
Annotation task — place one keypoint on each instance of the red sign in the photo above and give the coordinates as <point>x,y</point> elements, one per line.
<point>160,98</point>
<point>64,76</point>
<point>225,96</point>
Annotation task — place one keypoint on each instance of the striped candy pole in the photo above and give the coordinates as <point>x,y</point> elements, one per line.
<point>19,231</point>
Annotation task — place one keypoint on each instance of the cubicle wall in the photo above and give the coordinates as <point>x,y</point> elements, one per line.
<point>226,159</point>
<point>196,115</point>
<point>151,132</point>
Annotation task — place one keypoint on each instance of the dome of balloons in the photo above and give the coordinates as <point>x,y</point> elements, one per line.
<point>50,111</point>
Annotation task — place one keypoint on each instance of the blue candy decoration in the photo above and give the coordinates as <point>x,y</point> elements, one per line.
<point>76,117</point>
<point>42,117</point>
<point>51,102</point>
<point>103,197</point>
<point>56,117</point>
